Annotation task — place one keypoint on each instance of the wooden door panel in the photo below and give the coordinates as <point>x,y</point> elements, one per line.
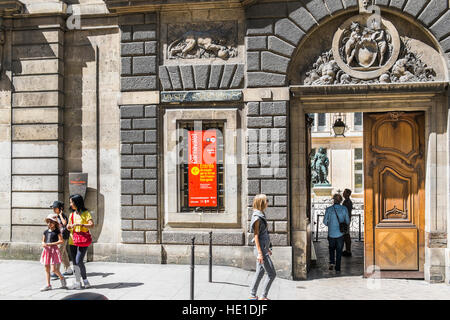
<point>395,135</point>
<point>396,249</point>
<point>388,135</point>
<point>394,190</point>
<point>394,194</point>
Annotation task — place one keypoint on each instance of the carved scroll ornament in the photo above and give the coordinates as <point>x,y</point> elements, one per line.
<point>395,213</point>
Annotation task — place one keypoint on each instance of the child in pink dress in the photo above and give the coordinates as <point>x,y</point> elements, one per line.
<point>51,256</point>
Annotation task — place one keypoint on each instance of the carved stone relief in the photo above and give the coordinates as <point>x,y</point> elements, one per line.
<point>363,46</point>
<point>202,41</point>
<point>367,50</point>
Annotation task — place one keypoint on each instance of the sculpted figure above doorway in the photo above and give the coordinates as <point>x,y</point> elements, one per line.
<point>364,51</point>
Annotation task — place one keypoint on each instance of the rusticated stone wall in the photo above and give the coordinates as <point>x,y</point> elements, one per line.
<point>267,172</point>
<point>139,48</point>
<point>139,173</point>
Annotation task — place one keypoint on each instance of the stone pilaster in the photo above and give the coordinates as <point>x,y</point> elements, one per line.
<point>436,215</point>
<point>5,139</point>
<point>37,136</point>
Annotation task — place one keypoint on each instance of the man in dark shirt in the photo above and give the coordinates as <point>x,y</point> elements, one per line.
<point>349,205</point>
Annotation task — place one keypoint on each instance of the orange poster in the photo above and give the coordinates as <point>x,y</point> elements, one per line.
<point>202,165</point>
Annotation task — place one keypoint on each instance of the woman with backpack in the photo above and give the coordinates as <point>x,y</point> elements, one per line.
<point>58,208</point>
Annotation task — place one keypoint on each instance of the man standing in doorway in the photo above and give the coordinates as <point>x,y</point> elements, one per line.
<point>347,240</point>
<point>334,215</point>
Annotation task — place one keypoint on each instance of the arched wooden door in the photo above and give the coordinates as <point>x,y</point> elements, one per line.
<point>394,185</point>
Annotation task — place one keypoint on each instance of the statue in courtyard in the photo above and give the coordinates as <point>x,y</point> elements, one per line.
<point>319,167</point>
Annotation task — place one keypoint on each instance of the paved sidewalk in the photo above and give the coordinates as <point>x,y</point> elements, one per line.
<point>120,281</point>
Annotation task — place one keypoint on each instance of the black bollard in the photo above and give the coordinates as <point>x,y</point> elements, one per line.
<point>210,256</point>
<point>192,268</point>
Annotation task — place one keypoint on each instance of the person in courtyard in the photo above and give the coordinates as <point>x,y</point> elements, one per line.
<point>262,250</point>
<point>349,205</point>
<point>58,208</point>
<point>80,221</point>
<point>51,256</point>
<point>334,215</point>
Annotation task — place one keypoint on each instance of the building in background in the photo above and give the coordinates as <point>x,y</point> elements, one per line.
<point>344,152</point>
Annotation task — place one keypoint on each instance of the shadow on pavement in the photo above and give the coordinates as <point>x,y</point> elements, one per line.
<point>117,285</point>
<point>102,274</point>
<point>234,284</point>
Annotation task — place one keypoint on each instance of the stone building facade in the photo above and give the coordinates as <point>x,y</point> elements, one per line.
<point>105,87</point>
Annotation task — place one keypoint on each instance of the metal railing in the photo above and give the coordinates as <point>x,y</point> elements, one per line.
<point>321,230</point>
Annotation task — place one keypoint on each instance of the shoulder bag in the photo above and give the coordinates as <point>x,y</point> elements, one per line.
<point>343,226</point>
<point>81,239</point>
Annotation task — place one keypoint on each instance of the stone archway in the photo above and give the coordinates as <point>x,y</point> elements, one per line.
<point>277,31</point>
<point>365,96</point>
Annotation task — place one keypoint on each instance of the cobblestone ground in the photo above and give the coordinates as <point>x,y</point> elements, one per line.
<point>119,281</point>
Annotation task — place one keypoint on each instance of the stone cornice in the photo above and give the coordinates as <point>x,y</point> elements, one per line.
<point>123,6</point>
<point>409,89</point>
<point>369,97</point>
<point>10,7</point>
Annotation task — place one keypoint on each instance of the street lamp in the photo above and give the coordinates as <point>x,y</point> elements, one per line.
<point>339,127</point>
